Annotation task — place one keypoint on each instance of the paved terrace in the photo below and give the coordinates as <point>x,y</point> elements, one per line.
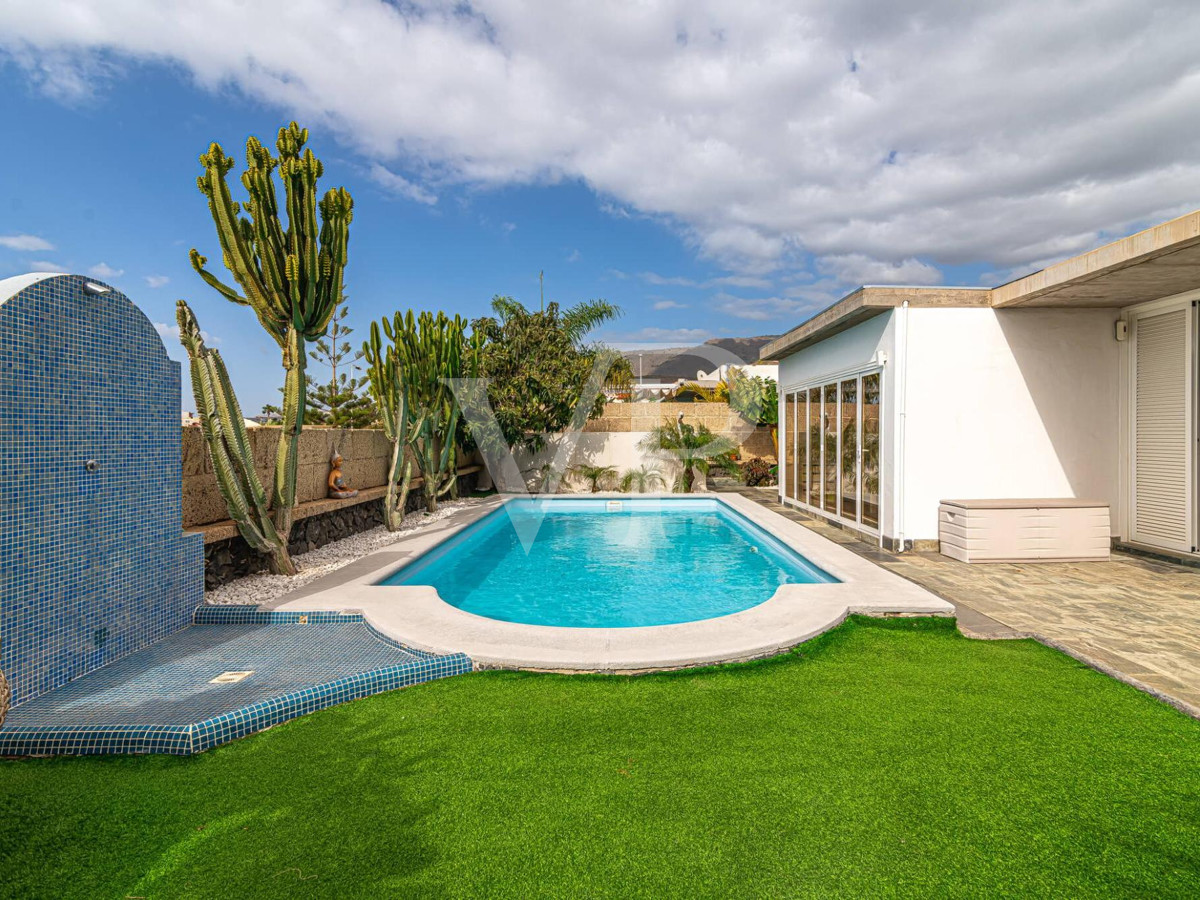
<point>1137,619</point>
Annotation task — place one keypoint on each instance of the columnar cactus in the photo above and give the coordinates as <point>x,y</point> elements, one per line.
<point>411,383</point>
<point>435,351</point>
<point>291,279</point>
<point>229,446</point>
<point>385,374</point>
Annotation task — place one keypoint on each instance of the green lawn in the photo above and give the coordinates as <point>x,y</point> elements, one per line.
<point>883,758</point>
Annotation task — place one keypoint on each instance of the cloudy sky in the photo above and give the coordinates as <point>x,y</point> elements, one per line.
<point>716,168</point>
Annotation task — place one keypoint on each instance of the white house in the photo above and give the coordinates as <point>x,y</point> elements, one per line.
<point>1078,381</point>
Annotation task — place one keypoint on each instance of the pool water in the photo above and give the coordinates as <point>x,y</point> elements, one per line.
<point>596,564</point>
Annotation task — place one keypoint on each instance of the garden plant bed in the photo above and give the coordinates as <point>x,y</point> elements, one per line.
<point>884,757</point>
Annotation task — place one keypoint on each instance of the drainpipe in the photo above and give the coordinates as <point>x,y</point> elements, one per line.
<point>902,426</point>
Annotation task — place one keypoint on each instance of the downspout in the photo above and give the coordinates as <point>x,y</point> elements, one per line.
<point>902,425</point>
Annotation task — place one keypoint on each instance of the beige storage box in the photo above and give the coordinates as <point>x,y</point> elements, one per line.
<point>1024,530</point>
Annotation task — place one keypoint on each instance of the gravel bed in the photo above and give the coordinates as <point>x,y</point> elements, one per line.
<point>262,587</point>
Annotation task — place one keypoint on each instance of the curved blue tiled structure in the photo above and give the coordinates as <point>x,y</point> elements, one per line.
<point>94,564</point>
<point>98,582</point>
<point>163,700</point>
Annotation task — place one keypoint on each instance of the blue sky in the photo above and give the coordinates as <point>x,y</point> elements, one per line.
<point>112,184</point>
<point>716,168</point>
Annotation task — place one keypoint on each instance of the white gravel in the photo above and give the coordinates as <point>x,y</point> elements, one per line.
<point>254,589</point>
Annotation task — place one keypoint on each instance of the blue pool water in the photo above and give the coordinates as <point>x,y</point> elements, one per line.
<point>652,562</point>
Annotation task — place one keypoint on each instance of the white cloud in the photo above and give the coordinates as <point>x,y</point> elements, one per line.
<point>574,256</point>
<point>762,309</point>
<point>104,270</point>
<point>669,304</point>
<point>44,265</point>
<point>724,281</point>
<point>508,227</point>
<point>171,333</point>
<point>28,242</point>
<point>400,186</point>
<point>857,269</point>
<point>958,136</point>
<point>661,337</point>
<point>157,281</point>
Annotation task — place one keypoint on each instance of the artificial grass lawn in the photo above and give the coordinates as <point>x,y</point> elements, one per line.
<point>884,757</point>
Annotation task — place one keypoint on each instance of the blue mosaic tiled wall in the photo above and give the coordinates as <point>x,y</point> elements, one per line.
<point>93,564</point>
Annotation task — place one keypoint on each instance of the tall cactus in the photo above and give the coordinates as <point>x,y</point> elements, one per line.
<point>436,350</point>
<point>411,382</point>
<point>229,445</point>
<point>291,279</point>
<point>385,374</point>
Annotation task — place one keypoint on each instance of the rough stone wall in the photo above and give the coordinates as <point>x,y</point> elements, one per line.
<point>232,558</point>
<point>366,454</point>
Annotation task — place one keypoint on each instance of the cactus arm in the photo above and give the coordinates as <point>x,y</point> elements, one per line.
<point>198,263</point>
<point>236,253</point>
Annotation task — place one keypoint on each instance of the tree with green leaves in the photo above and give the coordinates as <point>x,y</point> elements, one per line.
<point>538,363</point>
<point>290,277</point>
<point>340,402</point>
<point>754,398</point>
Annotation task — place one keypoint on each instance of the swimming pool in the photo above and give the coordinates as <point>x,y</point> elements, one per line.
<point>601,563</point>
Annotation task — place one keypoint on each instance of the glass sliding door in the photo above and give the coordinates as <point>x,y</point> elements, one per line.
<point>835,455</point>
<point>802,445</point>
<point>788,469</point>
<point>870,450</point>
<point>814,447</point>
<point>849,449</point>
<point>829,461</point>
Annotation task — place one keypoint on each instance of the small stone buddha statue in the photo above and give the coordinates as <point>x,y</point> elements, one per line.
<point>338,489</point>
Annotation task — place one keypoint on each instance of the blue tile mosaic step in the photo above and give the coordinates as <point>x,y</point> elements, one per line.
<point>162,699</point>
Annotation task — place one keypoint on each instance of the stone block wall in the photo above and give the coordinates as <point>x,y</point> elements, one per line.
<point>754,441</point>
<point>366,454</point>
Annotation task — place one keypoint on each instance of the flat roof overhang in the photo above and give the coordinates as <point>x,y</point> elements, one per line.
<point>1159,262</point>
<point>866,303</point>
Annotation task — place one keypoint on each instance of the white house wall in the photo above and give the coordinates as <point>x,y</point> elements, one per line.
<point>1009,404</point>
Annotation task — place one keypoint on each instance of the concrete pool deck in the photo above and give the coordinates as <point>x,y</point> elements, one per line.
<point>1131,617</point>
<point>417,617</point>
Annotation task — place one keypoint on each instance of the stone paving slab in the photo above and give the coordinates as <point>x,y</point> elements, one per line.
<point>1133,617</point>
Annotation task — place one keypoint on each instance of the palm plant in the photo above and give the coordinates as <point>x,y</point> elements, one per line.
<point>576,321</point>
<point>719,393</point>
<point>595,476</point>
<point>644,478</point>
<point>696,448</point>
<point>619,379</point>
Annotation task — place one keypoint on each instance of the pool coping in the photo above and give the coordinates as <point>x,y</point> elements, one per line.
<point>417,617</point>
